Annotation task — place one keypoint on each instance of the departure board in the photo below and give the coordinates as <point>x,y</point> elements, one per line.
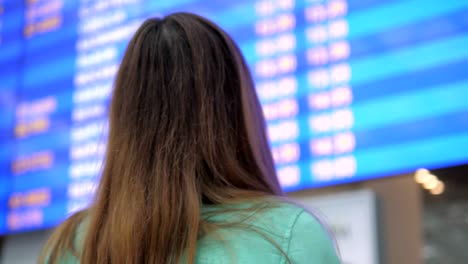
<point>351,90</point>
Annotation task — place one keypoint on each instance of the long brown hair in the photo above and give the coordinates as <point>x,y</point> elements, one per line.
<point>186,129</point>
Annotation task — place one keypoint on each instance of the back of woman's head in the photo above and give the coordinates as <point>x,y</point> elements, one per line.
<point>184,108</point>
<point>185,129</point>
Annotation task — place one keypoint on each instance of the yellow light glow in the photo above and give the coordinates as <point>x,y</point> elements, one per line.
<point>421,176</point>
<point>431,182</point>
<point>439,189</point>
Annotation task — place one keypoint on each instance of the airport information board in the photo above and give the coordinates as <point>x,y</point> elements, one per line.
<point>351,90</point>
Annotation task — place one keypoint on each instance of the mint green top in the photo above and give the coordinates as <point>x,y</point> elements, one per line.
<point>261,237</point>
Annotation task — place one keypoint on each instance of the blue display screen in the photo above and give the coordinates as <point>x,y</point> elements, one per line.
<point>351,90</point>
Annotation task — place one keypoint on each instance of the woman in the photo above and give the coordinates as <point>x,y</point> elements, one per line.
<point>188,176</point>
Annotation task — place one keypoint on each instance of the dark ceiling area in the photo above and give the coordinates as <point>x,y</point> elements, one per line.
<point>456,174</point>
<point>456,184</point>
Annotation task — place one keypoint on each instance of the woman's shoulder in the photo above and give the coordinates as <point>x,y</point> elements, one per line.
<point>275,215</point>
<point>283,225</point>
<point>286,218</point>
<point>309,239</point>
<point>66,240</point>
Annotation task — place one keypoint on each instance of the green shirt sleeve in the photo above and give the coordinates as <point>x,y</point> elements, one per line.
<point>310,242</point>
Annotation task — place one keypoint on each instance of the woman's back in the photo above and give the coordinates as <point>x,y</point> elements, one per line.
<point>277,232</point>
